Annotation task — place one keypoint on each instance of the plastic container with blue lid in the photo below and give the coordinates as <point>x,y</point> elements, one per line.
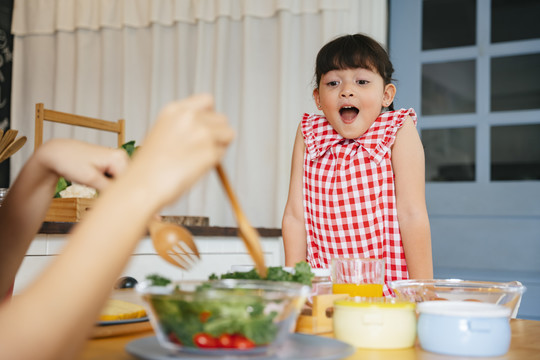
<point>463,328</point>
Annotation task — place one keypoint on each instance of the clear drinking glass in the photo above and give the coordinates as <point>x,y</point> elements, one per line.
<point>358,277</point>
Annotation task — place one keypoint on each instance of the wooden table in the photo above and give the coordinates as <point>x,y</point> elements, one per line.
<point>525,345</point>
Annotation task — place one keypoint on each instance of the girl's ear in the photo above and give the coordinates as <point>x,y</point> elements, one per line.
<point>389,94</point>
<point>317,98</point>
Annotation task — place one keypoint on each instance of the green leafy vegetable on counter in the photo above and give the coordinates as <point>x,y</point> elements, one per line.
<point>302,274</point>
<point>61,185</point>
<point>158,280</point>
<point>130,147</point>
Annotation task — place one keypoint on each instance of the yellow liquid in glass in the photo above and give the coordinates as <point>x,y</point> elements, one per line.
<point>366,290</point>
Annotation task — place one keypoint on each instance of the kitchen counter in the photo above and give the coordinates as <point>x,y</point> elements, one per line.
<point>65,227</point>
<point>525,345</point>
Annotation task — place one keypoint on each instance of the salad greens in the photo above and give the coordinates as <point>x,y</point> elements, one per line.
<point>61,185</point>
<point>185,319</point>
<point>158,280</point>
<point>229,315</point>
<point>302,274</point>
<point>235,319</point>
<point>129,147</point>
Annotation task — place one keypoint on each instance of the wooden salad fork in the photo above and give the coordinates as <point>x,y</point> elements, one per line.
<point>247,233</point>
<point>174,243</point>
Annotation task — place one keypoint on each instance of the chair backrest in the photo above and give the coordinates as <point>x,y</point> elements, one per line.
<point>43,114</point>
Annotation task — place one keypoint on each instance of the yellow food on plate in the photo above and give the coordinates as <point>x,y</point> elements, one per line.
<point>121,310</point>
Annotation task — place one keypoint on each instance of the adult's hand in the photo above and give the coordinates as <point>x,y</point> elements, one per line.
<point>81,162</point>
<point>187,140</point>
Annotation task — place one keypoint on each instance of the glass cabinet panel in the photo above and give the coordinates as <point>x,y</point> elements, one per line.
<point>450,154</point>
<point>449,87</point>
<point>513,20</point>
<point>515,82</point>
<point>515,152</point>
<point>448,23</point>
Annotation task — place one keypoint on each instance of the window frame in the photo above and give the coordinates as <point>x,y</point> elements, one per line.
<point>410,15</point>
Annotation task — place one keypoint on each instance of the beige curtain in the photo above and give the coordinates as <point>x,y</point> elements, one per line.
<point>115,59</point>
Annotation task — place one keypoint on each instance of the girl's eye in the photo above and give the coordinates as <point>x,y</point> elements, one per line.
<point>362,82</point>
<point>332,83</point>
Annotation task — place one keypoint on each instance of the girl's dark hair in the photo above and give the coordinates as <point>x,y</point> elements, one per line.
<point>353,51</point>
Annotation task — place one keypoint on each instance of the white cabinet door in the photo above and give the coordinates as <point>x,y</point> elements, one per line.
<point>218,255</point>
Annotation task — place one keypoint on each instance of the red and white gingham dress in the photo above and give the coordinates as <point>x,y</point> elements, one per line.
<point>349,194</point>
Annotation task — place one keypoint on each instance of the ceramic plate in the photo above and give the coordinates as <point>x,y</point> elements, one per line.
<point>122,322</point>
<point>297,346</point>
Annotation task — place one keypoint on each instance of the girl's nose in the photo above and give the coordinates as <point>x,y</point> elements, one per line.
<point>346,92</point>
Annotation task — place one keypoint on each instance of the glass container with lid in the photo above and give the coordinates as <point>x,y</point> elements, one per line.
<point>375,323</point>
<point>321,283</point>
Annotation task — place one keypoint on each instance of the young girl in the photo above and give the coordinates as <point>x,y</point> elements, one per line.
<point>357,178</point>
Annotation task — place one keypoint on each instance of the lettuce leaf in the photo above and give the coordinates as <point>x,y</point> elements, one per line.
<point>130,147</point>
<point>61,185</point>
<point>302,274</point>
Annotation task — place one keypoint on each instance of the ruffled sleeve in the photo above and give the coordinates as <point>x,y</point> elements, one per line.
<point>380,137</point>
<point>318,134</point>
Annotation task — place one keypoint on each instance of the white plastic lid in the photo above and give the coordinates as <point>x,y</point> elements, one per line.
<point>320,272</point>
<point>463,309</point>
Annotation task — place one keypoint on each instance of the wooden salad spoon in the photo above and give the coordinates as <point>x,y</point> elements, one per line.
<point>174,243</point>
<point>7,139</point>
<point>12,148</point>
<point>249,235</point>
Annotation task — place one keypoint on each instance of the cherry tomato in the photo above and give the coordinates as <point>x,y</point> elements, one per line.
<point>226,341</point>
<point>242,342</point>
<point>204,315</point>
<point>174,338</point>
<point>204,340</point>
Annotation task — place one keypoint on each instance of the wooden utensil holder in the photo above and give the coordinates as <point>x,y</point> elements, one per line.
<point>68,209</point>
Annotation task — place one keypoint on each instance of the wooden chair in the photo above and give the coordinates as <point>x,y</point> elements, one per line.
<point>43,114</point>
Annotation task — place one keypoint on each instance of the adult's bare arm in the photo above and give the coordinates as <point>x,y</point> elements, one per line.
<point>58,310</point>
<point>28,199</point>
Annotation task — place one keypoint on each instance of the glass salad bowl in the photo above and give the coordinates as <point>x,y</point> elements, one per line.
<point>501,293</point>
<point>223,317</point>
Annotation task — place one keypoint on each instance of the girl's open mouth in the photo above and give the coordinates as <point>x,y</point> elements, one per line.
<point>348,113</point>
